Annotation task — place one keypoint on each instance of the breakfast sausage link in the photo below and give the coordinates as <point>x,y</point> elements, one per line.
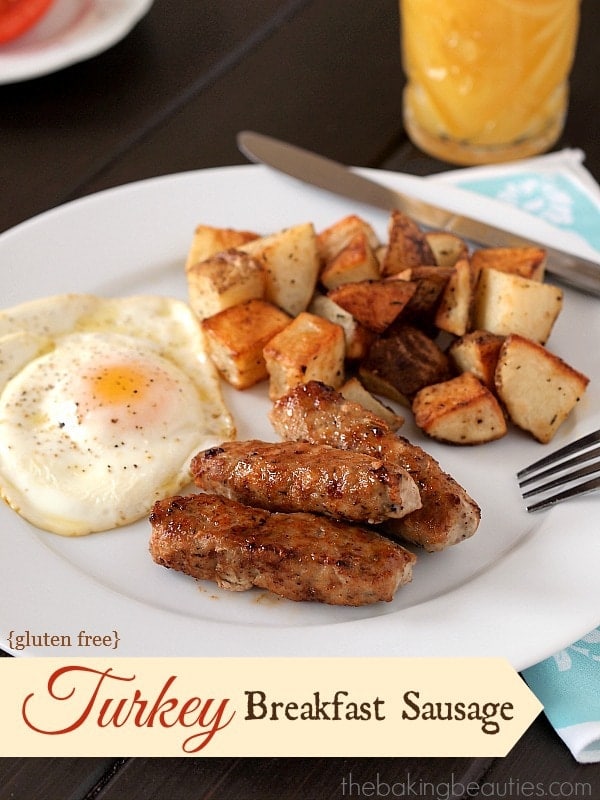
<point>297,556</point>
<point>317,413</point>
<point>298,476</point>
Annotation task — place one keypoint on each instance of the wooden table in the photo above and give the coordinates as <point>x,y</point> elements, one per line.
<point>171,96</point>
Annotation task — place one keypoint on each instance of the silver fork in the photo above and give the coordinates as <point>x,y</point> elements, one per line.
<point>563,467</point>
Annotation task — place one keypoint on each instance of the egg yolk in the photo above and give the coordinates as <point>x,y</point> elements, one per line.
<point>138,390</point>
<point>118,384</point>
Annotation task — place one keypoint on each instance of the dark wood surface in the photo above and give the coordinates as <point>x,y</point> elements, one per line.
<point>171,96</point>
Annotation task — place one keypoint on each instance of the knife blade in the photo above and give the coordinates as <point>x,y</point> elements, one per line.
<point>325,173</point>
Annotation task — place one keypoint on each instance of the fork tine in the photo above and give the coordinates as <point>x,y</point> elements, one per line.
<point>568,477</point>
<point>567,450</point>
<point>563,465</point>
<point>560,464</point>
<point>574,491</point>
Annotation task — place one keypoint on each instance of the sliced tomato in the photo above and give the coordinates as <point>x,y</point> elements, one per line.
<point>17,16</point>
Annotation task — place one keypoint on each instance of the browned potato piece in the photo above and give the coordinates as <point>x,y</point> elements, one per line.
<point>358,339</point>
<point>380,252</point>
<point>375,304</point>
<point>236,337</point>
<point>407,245</point>
<point>507,303</point>
<point>431,282</point>
<point>223,280</point>
<point>459,411</point>
<point>453,313</point>
<point>401,364</point>
<point>538,389</point>
<point>310,348</point>
<point>208,240</point>
<point>355,392</point>
<point>291,265</point>
<point>447,248</point>
<point>355,262</point>
<point>477,352</point>
<point>528,262</point>
<point>336,237</point>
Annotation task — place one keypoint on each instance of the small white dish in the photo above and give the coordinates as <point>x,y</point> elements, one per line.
<point>71,31</point>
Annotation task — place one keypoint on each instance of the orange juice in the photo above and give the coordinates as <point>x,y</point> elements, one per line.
<point>486,79</point>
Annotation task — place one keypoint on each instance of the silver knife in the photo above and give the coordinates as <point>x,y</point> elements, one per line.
<point>582,273</point>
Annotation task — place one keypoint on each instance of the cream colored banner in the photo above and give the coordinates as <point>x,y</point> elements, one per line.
<point>262,707</point>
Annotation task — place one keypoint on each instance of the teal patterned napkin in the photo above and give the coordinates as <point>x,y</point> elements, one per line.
<point>568,686</point>
<point>555,188</point>
<point>558,189</point>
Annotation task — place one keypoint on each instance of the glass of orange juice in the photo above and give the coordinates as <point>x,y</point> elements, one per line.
<point>486,81</point>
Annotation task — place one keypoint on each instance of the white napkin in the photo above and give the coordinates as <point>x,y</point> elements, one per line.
<point>558,189</point>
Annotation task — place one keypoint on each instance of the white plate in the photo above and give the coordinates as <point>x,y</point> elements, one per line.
<point>522,587</point>
<point>71,31</point>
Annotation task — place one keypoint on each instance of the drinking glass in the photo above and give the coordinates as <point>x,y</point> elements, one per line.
<point>487,80</point>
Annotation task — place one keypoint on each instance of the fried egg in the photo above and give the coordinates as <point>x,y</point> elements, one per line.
<point>103,402</point>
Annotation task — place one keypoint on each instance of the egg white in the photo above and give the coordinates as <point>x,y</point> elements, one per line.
<point>103,402</point>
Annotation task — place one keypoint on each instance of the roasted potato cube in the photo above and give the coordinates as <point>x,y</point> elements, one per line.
<point>528,262</point>
<point>538,389</point>
<point>407,245</point>
<point>291,264</point>
<point>375,304</point>
<point>506,303</point>
<point>336,237</point>
<point>223,280</point>
<point>401,364</point>
<point>477,352</point>
<point>447,248</point>
<point>459,411</point>
<point>453,313</point>
<point>310,348</point>
<point>358,339</point>
<point>208,240</point>
<point>430,282</point>
<point>355,262</point>
<point>355,392</point>
<point>380,252</point>
<point>236,337</point>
